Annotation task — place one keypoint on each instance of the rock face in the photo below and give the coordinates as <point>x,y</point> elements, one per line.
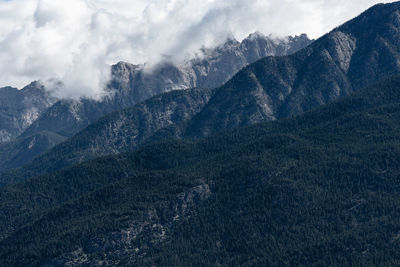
<point>120,131</point>
<point>355,55</point>
<point>132,84</point>
<point>20,108</point>
<point>218,65</point>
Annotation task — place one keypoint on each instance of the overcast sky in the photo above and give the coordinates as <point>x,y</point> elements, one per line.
<point>76,40</point>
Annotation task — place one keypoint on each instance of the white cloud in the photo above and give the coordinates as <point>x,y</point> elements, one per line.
<point>75,41</point>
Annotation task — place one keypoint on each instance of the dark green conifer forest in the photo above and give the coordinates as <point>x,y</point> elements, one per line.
<point>318,189</point>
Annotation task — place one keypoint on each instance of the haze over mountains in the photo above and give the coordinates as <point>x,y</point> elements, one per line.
<point>294,160</point>
<point>352,56</point>
<point>76,42</point>
<point>131,84</point>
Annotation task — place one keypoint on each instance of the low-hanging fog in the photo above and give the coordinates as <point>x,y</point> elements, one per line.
<point>76,41</point>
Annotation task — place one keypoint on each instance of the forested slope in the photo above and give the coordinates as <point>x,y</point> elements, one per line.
<point>318,189</point>
<point>355,55</point>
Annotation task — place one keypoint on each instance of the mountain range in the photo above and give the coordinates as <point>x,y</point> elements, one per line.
<point>40,116</point>
<point>294,161</point>
<point>352,56</point>
<point>132,84</point>
<point>318,189</point>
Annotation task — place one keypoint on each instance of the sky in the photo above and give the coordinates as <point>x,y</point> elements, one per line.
<point>76,41</point>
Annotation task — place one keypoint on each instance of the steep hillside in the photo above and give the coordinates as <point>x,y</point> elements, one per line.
<point>122,130</point>
<point>16,153</point>
<point>20,108</point>
<point>270,89</point>
<point>352,56</point>
<point>133,84</point>
<point>318,189</point>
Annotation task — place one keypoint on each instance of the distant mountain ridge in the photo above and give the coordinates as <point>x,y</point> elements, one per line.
<point>20,108</point>
<point>132,84</point>
<point>352,56</point>
<point>295,161</point>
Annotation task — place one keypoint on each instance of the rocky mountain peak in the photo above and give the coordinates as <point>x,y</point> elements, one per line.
<point>302,37</point>
<point>380,14</point>
<point>231,41</point>
<point>20,108</point>
<point>131,84</point>
<point>124,67</point>
<point>256,35</point>
<point>122,73</point>
<point>36,88</point>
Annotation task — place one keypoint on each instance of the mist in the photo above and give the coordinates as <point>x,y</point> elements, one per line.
<point>70,45</point>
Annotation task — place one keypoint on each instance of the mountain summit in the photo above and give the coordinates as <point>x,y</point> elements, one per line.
<point>352,56</point>
<point>20,108</point>
<point>130,84</point>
